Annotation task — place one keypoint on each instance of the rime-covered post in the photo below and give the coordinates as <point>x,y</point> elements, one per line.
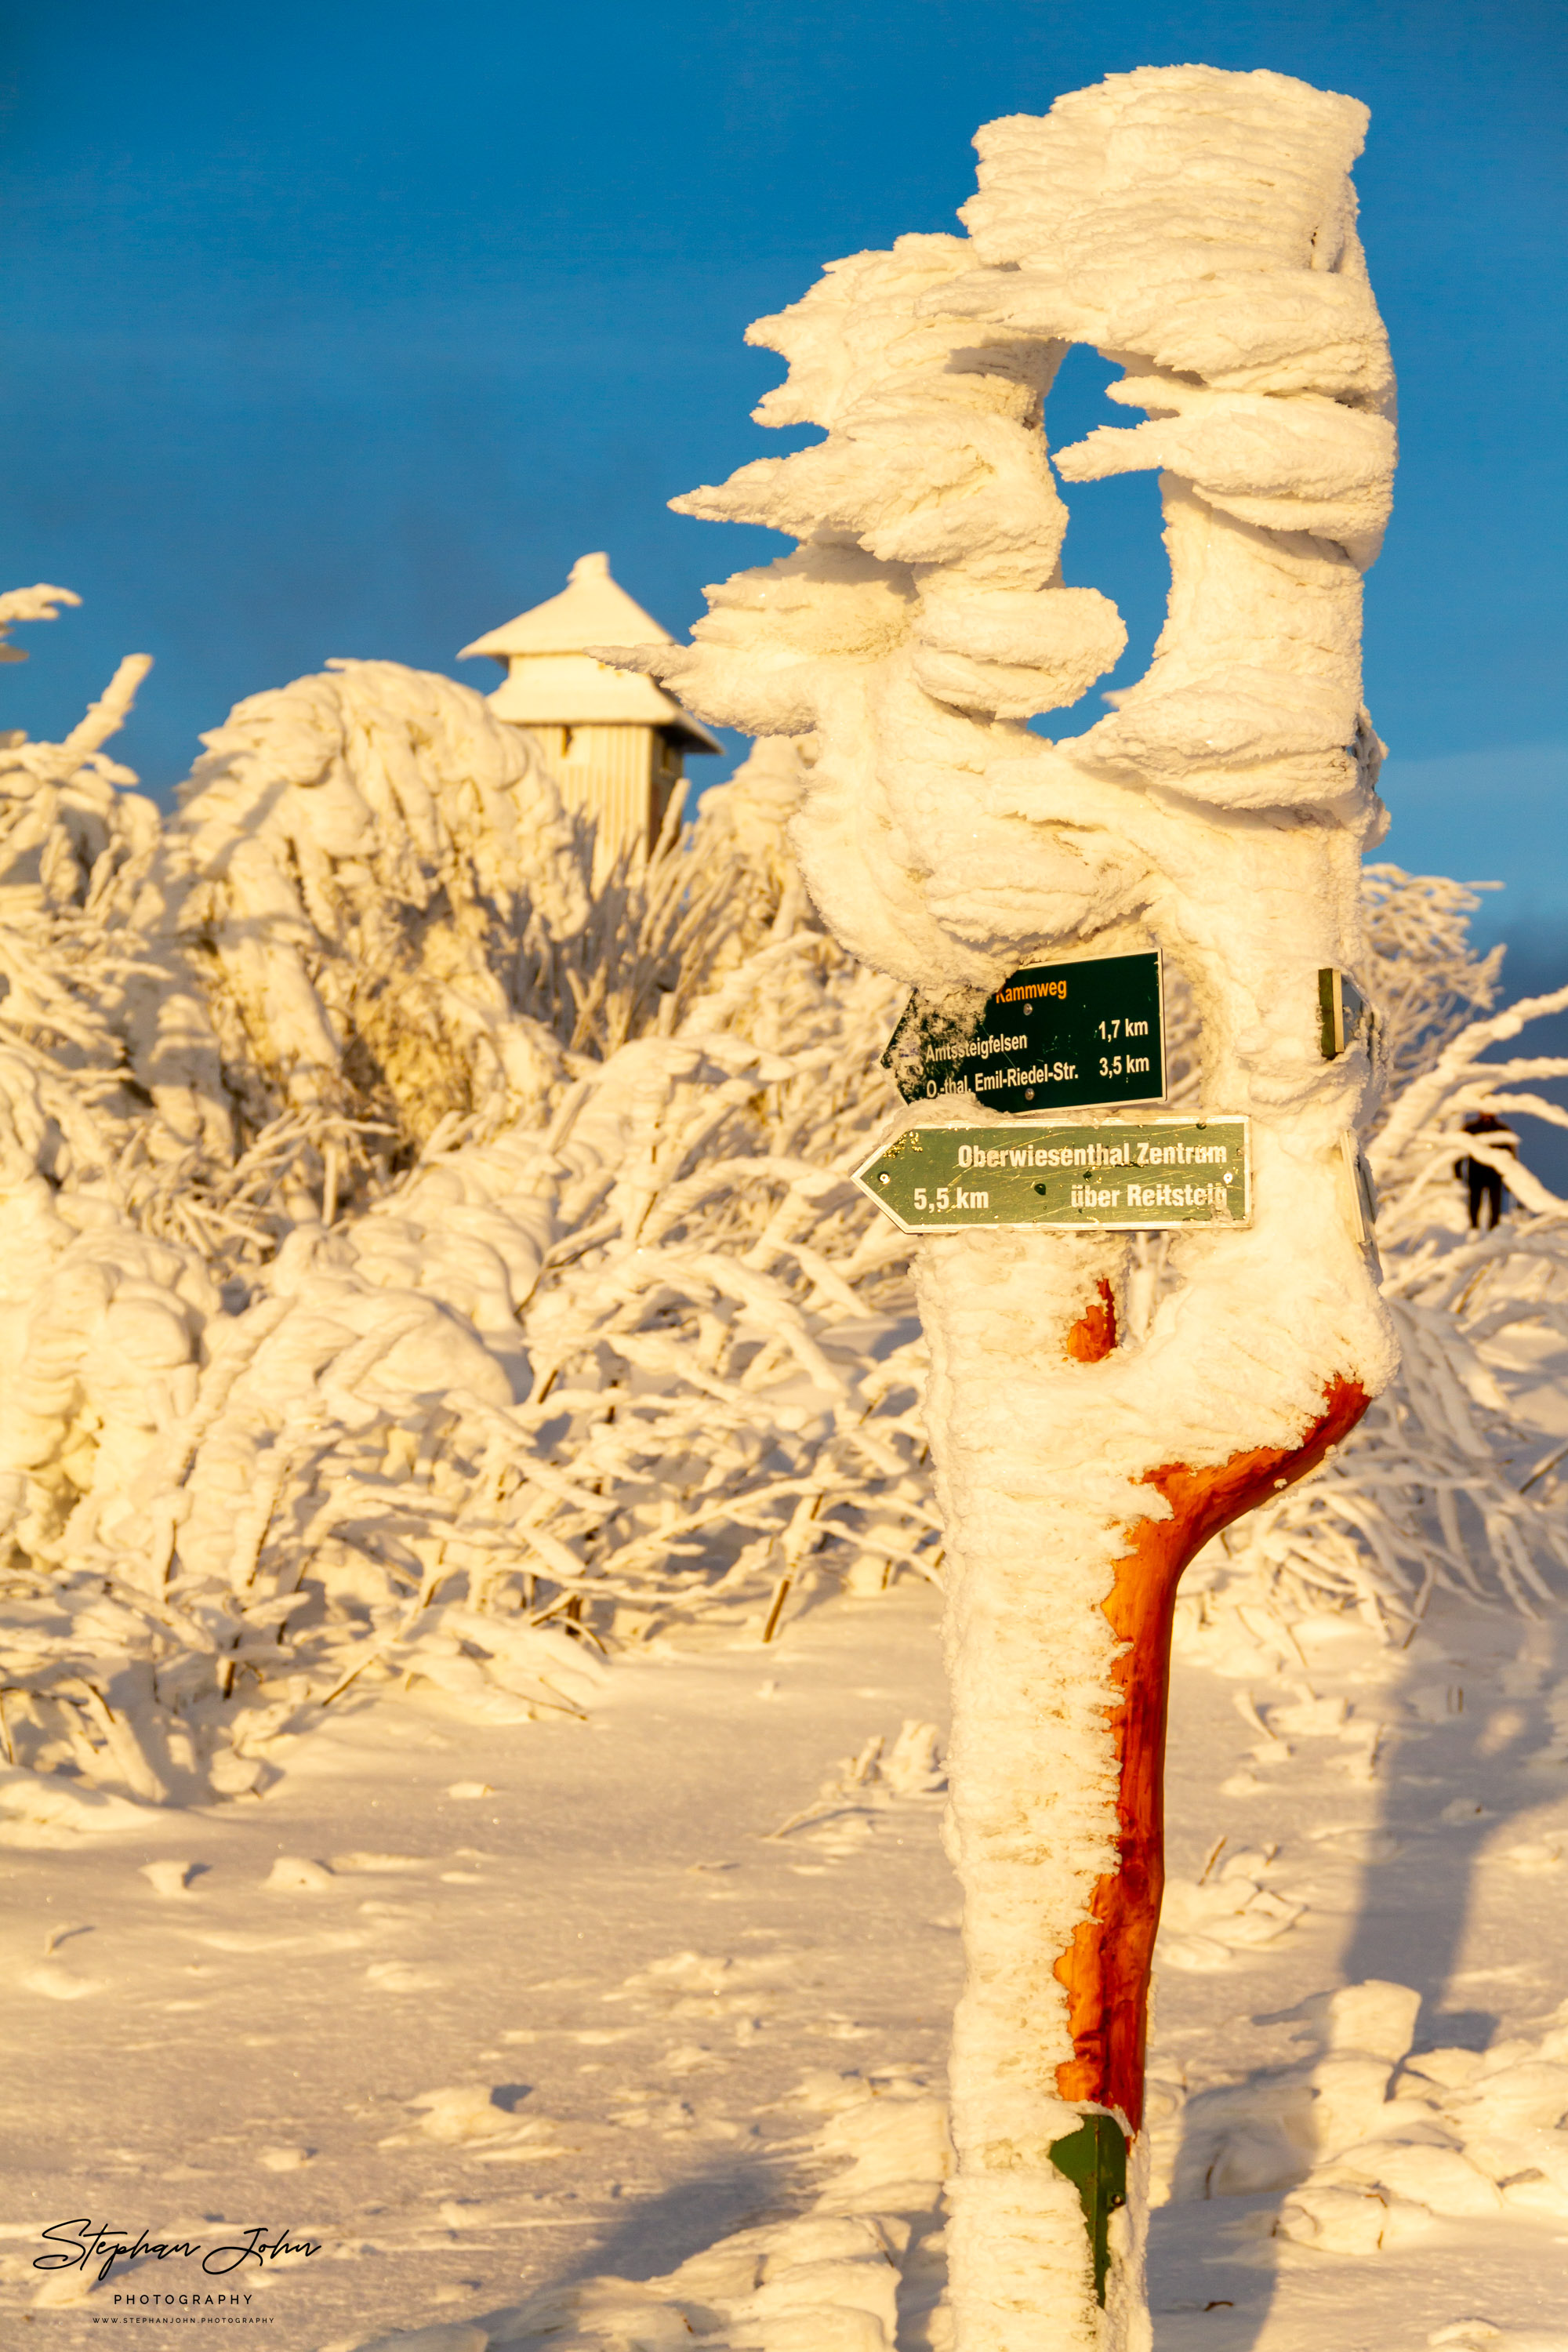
<point>1197,227</point>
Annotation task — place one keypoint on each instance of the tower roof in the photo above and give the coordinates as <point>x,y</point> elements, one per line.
<point>552,682</point>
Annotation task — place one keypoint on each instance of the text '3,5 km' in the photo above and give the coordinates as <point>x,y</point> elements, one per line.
<point>1054,1037</point>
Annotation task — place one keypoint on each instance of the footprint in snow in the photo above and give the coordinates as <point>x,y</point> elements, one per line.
<point>401,1976</point>
<point>1359,1844</point>
<point>64,2290</point>
<point>171,1878</point>
<point>688,2058</point>
<point>1480,2335</point>
<point>1535,1858</point>
<point>374,1865</point>
<point>61,1984</point>
<point>464,2110</point>
<point>290,1874</point>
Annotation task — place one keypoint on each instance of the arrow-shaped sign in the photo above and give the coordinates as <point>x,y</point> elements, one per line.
<point>1151,1174</point>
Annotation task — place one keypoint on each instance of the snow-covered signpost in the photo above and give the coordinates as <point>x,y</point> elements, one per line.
<point>1197,227</point>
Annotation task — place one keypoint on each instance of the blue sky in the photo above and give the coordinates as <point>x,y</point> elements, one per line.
<point>343,329</point>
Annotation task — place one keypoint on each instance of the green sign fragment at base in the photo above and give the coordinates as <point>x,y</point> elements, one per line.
<point>1149,1173</point>
<point>1054,1037</point>
<point>1094,2158</point>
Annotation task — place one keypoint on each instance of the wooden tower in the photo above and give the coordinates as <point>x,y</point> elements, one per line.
<point>616,744</point>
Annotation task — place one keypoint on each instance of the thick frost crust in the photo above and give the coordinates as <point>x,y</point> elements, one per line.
<point>1197,226</point>
<point>359,854</point>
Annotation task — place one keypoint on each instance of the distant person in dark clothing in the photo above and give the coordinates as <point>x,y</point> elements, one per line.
<point>1486,1183</point>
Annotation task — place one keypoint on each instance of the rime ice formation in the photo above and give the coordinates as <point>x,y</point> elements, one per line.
<point>1197,226</point>
<point>375,863</point>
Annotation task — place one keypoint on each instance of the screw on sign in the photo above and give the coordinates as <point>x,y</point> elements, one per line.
<point>1216,815</point>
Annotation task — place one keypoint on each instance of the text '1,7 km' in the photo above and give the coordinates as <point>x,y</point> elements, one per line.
<point>1152,1173</point>
<point>1055,1036</point>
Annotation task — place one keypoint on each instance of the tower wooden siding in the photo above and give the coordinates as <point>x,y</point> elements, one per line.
<point>621,774</point>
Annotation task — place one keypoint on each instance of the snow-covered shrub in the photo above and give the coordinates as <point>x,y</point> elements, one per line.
<point>1425,980</point>
<point>372,868</point>
<point>312,1389</point>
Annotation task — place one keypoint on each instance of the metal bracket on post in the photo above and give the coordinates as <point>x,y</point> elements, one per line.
<point>1344,1014</point>
<point>1094,2158</point>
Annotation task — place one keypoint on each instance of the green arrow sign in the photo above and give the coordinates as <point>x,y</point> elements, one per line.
<point>1150,1173</point>
<point>1054,1037</point>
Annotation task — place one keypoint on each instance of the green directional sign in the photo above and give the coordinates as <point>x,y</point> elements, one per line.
<point>1149,1173</point>
<point>1055,1036</point>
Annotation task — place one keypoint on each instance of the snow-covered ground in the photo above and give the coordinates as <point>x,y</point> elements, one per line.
<point>516,2022</point>
<point>602,1978</point>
